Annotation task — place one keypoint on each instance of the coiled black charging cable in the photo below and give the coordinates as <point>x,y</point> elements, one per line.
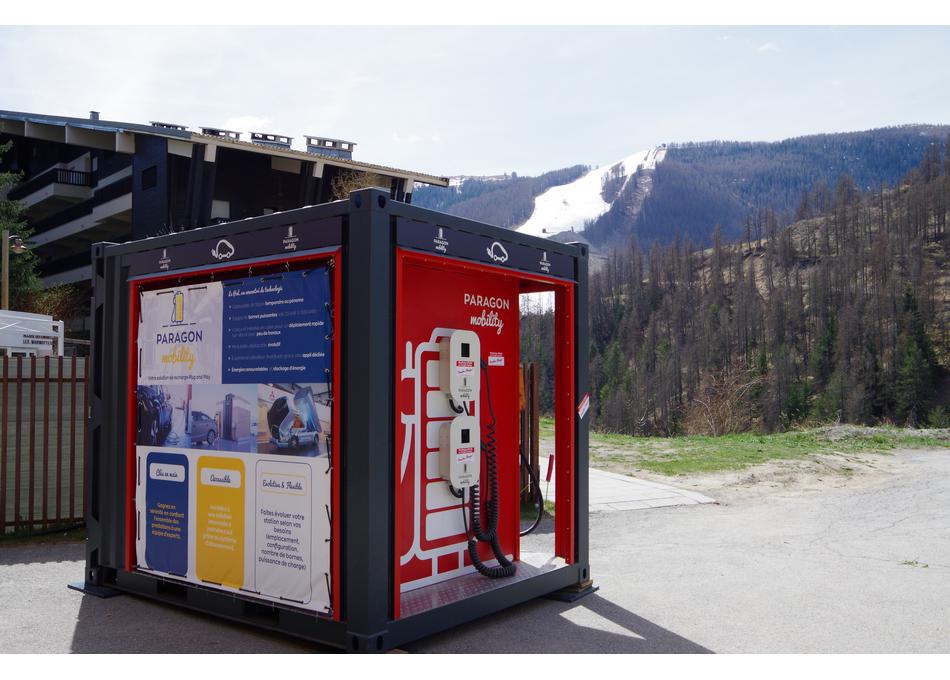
<point>489,534</point>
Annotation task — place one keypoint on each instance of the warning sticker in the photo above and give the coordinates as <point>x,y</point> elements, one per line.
<point>496,359</point>
<point>584,406</point>
<point>464,367</point>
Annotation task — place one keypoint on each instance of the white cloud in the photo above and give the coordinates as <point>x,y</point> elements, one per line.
<point>769,47</point>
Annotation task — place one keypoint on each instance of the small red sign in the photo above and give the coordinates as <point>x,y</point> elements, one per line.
<point>584,406</point>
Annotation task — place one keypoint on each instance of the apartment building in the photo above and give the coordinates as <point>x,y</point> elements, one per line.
<point>87,180</point>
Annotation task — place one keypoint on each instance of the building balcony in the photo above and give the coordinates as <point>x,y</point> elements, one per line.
<point>109,200</point>
<point>52,191</point>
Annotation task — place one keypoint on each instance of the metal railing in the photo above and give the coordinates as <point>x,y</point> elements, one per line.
<point>107,193</point>
<point>76,178</point>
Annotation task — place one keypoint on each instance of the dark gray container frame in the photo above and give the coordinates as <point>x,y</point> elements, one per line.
<point>369,239</point>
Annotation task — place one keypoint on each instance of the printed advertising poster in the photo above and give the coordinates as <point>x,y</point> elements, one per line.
<point>234,430</point>
<point>179,337</point>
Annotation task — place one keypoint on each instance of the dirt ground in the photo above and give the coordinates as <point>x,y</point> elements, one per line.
<point>804,475</point>
<point>816,472</point>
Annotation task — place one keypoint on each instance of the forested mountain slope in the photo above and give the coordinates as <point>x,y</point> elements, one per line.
<point>689,189</point>
<point>840,316</point>
<point>699,186</point>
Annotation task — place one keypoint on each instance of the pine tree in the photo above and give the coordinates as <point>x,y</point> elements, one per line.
<point>915,364</point>
<point>823,355</point>
<point>912,386</point>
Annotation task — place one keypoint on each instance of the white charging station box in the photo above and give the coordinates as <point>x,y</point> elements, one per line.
<point>460,457</point>
<point>459,359</point>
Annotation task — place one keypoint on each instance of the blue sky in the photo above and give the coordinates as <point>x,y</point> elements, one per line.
<point>471,100</point>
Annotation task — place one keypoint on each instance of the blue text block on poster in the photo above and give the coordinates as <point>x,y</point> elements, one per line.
<point>277,328</point>
<point>166,507</point>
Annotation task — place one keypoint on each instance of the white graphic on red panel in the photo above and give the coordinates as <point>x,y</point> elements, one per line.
<point>437,515</point>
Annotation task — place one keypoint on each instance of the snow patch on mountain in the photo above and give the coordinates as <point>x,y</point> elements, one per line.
<point>457,181</point>
<point>570,206</point>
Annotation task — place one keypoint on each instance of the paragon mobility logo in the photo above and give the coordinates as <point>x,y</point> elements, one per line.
<point>223,251</point>
<point>489,318</point>
<point>164,262</point>
<point>545,263</point>
<point>290,240</point>
<point>497,252</point>
<point>440,242</point>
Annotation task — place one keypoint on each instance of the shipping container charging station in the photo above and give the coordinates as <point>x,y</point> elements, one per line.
<point>309,421</point>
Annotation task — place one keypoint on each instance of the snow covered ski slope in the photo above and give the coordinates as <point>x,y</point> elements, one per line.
<point>569,206</point>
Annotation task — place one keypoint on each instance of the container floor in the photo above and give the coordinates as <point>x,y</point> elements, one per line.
<point>440,594</point>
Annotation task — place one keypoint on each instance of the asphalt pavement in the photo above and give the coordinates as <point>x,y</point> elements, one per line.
<point>863,569</point>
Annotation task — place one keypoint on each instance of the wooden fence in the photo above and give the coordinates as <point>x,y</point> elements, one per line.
<point>43,401</point>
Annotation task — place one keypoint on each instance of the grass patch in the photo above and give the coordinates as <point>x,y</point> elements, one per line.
<point>697,454</point>
<point>529,512</point>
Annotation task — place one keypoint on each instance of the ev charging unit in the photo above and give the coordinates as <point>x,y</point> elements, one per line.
<point>371,494</point>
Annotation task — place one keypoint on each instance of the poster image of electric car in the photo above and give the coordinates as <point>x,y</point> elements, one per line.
<point>179,335</point>
<point>162,414</point>
<point>297,416</point>
<point>222,418</point>
<point>213,417</point>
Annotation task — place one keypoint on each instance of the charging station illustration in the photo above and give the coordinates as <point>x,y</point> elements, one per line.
<point>325,440</point>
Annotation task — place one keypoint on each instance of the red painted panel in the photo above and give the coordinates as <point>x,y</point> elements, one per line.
<point>131,418</point>
<point>448,562</point>
<point>336,461</point>
<point>431,295</point>
<point>564,417</point>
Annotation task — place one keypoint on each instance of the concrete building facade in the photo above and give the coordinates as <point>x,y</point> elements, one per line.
<point>86,180</point>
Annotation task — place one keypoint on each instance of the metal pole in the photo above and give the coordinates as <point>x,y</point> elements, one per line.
<point>6,268</point>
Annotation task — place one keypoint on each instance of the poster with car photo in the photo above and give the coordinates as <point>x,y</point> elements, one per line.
<point>223,418</point>
<point>161,412</point>
<point>295,419</point>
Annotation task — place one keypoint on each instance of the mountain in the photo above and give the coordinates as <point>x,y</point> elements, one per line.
<point>575,206</point>
<point>506,200</point>
<point>702,185</point>
<point>689,189</point>
<point>842,316</point>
